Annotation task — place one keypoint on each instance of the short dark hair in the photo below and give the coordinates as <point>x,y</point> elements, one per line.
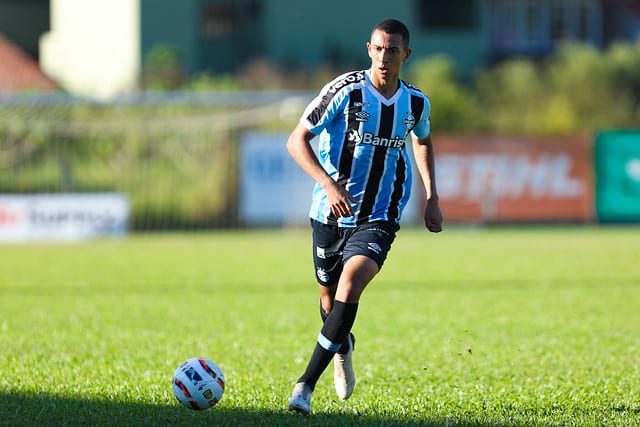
<point>393,26</point>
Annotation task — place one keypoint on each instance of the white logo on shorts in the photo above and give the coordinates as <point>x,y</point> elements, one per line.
<point>375,247</point>
<point>320,253</point>
<point>322,275</point>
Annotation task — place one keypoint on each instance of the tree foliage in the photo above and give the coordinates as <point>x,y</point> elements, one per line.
<point>578,89</point>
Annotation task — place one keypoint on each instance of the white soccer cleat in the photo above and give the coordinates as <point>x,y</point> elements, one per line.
<point>343,376</point>
<point>300,400</point>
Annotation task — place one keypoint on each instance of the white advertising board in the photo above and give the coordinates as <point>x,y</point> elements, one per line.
<point>273,188</point>
<point>62,217</point>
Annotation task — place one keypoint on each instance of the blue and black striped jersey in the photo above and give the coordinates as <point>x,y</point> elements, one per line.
<point>362,138</point>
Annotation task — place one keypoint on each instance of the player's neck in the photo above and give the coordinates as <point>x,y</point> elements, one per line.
<point>386,87</point>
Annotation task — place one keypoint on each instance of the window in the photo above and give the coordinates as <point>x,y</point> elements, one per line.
<point>538,25</point>
<point>217,21</point>
<point>447,15</point>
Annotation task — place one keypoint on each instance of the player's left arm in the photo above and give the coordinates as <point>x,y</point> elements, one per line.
<point>425,162</point>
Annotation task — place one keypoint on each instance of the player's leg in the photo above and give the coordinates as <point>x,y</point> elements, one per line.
<point>343,375</point>
<point>357,272</point>
<point>328,242</point>
<point>327,295</point>
<point>327,260</point>
<point>365,253</point>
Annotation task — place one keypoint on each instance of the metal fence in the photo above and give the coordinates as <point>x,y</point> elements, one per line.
<point>175,155</point>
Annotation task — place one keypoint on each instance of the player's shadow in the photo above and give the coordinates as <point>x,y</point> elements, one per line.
<point>41,410</point>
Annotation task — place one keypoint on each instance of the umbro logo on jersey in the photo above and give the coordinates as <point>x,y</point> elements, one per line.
<point>362,116</point>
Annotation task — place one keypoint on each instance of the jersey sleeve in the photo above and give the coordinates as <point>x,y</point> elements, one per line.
<point>422,129</point>
<point>325,107</point>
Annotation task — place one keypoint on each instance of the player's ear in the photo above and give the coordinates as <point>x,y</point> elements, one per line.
<point>371,55</point>
<point>407,54</point>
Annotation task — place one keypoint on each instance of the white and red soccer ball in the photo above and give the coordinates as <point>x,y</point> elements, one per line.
<point>198,383</point>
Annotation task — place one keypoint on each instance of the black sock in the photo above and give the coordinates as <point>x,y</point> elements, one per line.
<point>334,331</point>
<point>344,348</point>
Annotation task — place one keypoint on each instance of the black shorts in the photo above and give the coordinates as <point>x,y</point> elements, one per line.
<point>333,246</point>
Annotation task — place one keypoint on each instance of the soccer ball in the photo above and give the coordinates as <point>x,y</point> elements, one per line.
<point>198,383</point>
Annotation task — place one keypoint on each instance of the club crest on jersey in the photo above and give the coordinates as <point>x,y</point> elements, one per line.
<point>409,120</point>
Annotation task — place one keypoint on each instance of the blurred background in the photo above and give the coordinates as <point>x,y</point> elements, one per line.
<point>128,115</point>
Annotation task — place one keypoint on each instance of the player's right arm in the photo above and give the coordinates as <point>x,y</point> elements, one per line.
<point>299,147</point>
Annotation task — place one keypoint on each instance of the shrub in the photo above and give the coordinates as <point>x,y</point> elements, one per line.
<point>453,106</point>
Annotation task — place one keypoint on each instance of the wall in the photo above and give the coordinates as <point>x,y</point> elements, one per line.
<point>173,23</point>
<point>309,34</point>
<point>93,47</point>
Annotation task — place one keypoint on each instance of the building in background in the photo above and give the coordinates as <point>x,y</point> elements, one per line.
<point>98,48</point>
<point>19,71</point>
<point>93,48</point>
<point>22,22</point>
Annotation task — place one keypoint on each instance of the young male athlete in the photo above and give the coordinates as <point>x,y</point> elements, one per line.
<point>363,180</point>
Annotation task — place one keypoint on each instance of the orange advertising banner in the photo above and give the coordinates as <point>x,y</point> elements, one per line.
<point>515,178</point>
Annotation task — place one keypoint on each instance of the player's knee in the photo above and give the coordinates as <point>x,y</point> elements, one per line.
<point>326,305</point>
<point>327,296</point>
<point>350,291</point>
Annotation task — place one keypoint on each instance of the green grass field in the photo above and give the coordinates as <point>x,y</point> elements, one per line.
<point>508,326</point>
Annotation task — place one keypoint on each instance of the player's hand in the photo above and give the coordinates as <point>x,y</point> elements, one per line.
<point>340,201</point>
<point>433,216</point>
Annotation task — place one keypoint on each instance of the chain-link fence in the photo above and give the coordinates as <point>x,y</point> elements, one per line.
<point>173,154</point>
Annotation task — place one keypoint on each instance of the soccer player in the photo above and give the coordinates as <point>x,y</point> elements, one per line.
<point>363,180</point>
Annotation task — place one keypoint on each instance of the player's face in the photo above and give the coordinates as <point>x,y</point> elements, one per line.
<point>387,53</point>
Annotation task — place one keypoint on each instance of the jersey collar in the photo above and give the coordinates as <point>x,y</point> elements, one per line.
<point>378,95</point>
